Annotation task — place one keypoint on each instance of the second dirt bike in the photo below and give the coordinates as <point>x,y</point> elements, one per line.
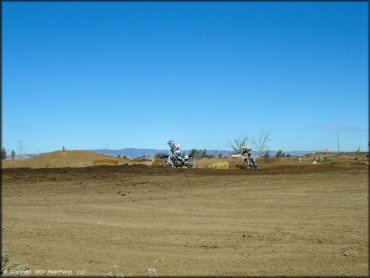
<point>250,161</point>
<point>172,161</point>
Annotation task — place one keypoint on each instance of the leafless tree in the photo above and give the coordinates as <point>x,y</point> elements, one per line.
<point>263,139</point>
<point>237,143</point>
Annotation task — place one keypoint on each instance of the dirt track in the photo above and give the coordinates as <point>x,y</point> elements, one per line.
<point>138,220</point>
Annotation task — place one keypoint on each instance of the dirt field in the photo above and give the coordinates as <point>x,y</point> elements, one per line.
<point>139,220</point>
<point>70,159</point>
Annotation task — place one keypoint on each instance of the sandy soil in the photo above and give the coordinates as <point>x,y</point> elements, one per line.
<point>71,159</point>
<point>138,220</point>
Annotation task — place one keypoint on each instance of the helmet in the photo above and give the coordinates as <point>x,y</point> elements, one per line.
<point>170,143</point>
<point>242,147</point>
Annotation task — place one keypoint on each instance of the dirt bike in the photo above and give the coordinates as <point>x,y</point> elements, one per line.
<point>172,161</point>
<point>250,162</point>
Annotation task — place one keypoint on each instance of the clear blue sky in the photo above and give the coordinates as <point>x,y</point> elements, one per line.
<point>89,75</point>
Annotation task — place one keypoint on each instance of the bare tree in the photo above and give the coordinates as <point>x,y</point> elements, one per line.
<point>261,143</point>
<point>237,143</point>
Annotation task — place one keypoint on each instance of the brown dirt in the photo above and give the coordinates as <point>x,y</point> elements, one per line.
<point>61,159</point>
<point>137,220</point>
<point>157,162</point>
<point>220,165</point>
<point>237,163</point>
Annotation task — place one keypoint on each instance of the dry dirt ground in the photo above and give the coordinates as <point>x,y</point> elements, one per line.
<point>61,159</point>
<point>139,220</point>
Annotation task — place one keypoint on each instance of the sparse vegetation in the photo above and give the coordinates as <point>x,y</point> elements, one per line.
<point>12,154</point>
<point>200,153</point>
<point>261,144</point>
<point>237,143</point>
<point>12,267</point>
<point>116,272</point>
<point>151,271</point>
<point>3,153</point>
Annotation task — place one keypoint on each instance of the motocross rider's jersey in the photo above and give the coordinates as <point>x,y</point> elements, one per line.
<point>247,152</point>
<point>175,149</point>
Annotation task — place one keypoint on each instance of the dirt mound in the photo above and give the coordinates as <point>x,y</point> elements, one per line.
<point>157,162</point>
<point>59,159</point>
<point>233,163</point>
<point>219,165</point>
<point>205,162</point>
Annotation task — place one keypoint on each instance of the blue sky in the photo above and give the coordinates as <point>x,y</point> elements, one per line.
<point>136,74</point>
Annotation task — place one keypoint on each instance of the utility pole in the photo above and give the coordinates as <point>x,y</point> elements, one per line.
<point>338,139</point>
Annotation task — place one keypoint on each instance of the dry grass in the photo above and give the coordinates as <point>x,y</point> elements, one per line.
<point>106,161</point>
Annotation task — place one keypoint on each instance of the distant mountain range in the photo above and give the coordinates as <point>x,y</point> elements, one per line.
<point>131,152</point>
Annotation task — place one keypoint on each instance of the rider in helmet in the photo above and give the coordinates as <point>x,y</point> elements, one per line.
<point>247,154</point>
<point>175,150</point>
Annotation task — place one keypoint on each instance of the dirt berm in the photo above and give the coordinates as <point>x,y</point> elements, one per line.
<point>59,159</point>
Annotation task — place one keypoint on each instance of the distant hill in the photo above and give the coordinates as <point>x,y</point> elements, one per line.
<point>56,159</point>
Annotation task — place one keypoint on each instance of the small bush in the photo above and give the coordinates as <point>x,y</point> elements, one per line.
<point>12,267</point>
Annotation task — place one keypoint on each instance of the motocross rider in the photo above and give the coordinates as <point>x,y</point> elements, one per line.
<point>247,154</point>
<point>175,150</point>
